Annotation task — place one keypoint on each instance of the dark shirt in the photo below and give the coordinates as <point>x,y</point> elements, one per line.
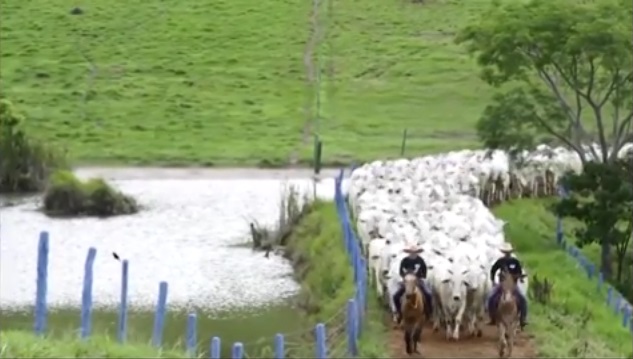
<point>512,264</point>
<point>408,265</point>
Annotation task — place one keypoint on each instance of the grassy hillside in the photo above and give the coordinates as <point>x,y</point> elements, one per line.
<point>159,81</point>
<point>395,66</point>
<point>224,82</point>
<point>577,322</point>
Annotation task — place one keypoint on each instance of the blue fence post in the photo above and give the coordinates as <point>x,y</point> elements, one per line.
<point>86,295</point>
<point>238,351</point>
<point>41,284</point>
<point>122,329</point>
<point>280,347</point>
<point>358,318</point>
<point>192,335</point>
<point>600,280</point>
<point>352,348</point>
<point>609,295</point>
<point>321,345</point>
<point>617,304</point>
<point>591,269</point>
<point>626,317</point>
<point>559,230</point>
<point>216,348</point>
<point>159,318</point>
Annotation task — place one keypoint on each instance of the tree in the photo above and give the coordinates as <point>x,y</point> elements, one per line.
<point>565,71</point>
<point>601,197</point>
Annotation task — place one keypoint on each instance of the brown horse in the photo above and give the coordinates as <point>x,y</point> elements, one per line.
<point>507,314</point>
<point>412,313</point>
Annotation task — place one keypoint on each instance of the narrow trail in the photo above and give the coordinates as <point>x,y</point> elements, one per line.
<point>312,78</point>
<point>435,345</point>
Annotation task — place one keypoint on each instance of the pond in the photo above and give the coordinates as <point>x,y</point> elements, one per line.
<point>190,234</point>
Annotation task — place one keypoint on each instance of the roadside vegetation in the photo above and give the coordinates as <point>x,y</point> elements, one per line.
<point>317,252</point>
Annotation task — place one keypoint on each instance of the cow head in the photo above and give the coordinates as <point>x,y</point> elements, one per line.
<point>458,284</point>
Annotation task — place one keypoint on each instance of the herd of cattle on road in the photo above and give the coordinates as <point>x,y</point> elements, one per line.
<point>440,203</point>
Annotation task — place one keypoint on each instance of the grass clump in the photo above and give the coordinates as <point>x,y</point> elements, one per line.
<point>293,205</point>
<point>572,320</point>
<point>25,164</point>
<point>66,195</point>
<point>21,344</point>
<point>317,252</point>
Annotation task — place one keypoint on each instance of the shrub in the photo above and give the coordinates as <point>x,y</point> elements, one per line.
<point>66,195</point>
<point>25,164</point>
<point>293,206</point>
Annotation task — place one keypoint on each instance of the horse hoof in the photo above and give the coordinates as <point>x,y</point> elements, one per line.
<point>479,333</point>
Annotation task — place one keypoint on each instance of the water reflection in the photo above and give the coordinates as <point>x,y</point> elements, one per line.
<point>185,236</point>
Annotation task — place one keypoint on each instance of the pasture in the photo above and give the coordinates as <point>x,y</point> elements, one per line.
<point>225,82</point>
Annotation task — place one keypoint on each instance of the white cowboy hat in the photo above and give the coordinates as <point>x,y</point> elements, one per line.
<point>506,247</point>
<point>413,248</point>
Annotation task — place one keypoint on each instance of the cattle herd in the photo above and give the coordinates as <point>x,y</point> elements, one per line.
<point>440,202</point>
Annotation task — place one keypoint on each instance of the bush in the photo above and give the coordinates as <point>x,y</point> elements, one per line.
<point>292,208</point>
<point>25,164</point>
<point>66,195</point>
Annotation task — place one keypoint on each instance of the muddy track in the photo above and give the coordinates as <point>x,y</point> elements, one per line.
<point>435,345</point>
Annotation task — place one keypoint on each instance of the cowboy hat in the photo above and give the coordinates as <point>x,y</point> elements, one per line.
<point>506,247</point>
<point>413,248</point>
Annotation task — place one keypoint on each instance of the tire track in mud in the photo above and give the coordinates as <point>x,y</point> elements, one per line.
<point>312,77</point>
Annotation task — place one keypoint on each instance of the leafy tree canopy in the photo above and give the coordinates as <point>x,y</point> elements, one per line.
<point>566,70</point>
<point>601,197</point>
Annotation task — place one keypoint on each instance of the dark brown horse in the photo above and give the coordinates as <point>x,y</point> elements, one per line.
<point>412,313</point>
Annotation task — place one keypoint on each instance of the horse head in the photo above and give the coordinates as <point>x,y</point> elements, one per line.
<point>411,289</point>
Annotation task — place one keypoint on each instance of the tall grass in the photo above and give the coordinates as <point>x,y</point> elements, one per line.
<point>293,206</point>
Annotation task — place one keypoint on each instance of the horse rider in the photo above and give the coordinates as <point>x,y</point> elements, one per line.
<point>413,263</point>
<point>513,266</point>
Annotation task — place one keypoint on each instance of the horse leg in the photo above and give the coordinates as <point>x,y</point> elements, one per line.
<point>417,338</point>
<point>502,339</point>
<point>407,341</point>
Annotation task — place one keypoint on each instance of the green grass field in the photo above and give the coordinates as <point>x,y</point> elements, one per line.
<point>224,82</point>
<point>19,344</point>
<point>557,326</point>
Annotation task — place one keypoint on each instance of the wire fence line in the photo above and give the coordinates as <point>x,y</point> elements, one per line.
<point>336,336</point>
<point>614,299</point>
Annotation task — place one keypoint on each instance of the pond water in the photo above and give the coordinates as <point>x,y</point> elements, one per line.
<point>188,234</point>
